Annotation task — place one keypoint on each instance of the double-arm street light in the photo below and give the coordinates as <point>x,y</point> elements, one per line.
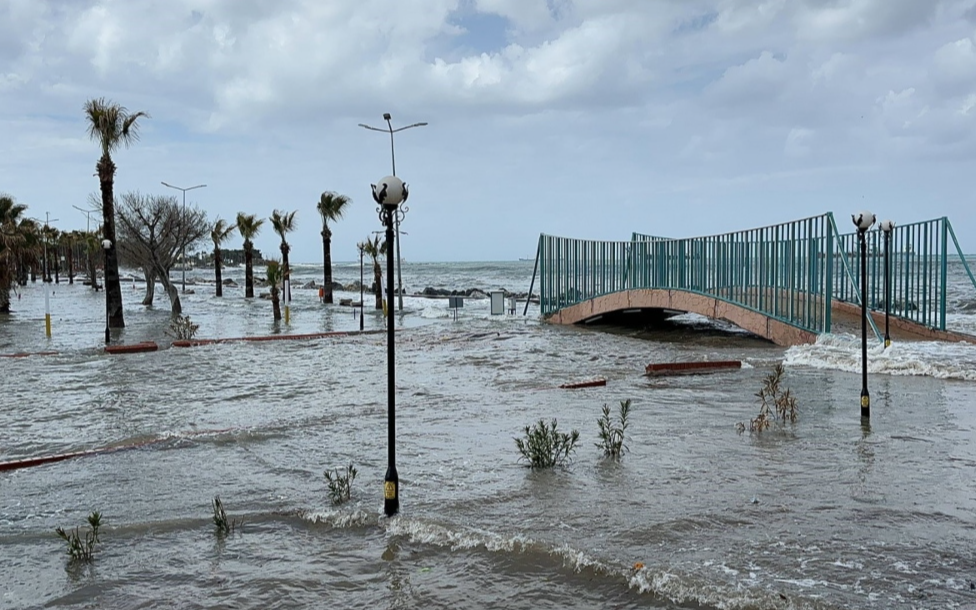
<point>199,186</point>
<point>402,209</point>
<point>389,193</point>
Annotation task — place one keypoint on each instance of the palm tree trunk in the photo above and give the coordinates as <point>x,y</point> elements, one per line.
<point>327,247</point>
<point>248,271</point>
<point>285,269</point>
<point>378,284</point>
<point>217,274</point>
<point>113,288</point>
<point>275,303</point>
<point>71,264</point>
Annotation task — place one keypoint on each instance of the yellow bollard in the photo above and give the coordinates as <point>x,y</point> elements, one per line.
<point>47,325</point>
<point>287,314</point>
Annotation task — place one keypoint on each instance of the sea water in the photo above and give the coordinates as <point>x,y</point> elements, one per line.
<point>824,513</point>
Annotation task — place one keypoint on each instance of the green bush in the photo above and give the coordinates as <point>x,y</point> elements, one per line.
<point>544,446</point>
<point>340,485</point>
<point>612,433</point>
<point>183,328</point>
<point>223,525</point>
<point>82,550</point>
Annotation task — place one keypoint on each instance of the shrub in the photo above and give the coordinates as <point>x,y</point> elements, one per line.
<point>224,526</point>
<point>775,404</point>
<point>183,328</point>
<point>340,485</point>
<point>544,446</point>
<point>82,550</point>
<point>611,433</point>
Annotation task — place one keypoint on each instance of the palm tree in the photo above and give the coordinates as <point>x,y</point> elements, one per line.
<point>112,126</point>
<point>331,206</point>
<point>284,223</point>
<point>248,226</point>
<point>11,242</point>
<point>219,234</point>
<point>374,249</point>
<point>275,275</point>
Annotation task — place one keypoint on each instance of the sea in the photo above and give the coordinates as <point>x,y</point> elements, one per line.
<point>828,512</point>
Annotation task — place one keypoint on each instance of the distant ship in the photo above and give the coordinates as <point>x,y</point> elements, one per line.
<point>527,259</point>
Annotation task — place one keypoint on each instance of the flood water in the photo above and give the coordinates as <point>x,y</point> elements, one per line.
<point>824,513</point>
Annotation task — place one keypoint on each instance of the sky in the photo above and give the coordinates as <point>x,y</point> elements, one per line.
<point>580,118</point>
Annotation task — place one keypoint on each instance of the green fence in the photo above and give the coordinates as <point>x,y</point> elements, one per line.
<point>791,271</point>
<point>918,256</point>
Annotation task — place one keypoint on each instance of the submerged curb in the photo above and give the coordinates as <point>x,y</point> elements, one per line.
<point>132,348</point>
<point>302,337</point>
<point>691,368</point>
<point>26,354</point>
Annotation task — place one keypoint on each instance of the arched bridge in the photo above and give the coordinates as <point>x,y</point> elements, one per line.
<point>787,282</point>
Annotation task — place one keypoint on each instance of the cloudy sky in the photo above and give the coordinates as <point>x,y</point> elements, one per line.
<point>583,118</point>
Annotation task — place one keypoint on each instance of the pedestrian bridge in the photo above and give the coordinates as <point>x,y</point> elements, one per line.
<point>787,283</point>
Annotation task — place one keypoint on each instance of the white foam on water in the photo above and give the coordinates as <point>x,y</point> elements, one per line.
<point>341,519</point>
<point>431,533</point>
<point>842,352</point>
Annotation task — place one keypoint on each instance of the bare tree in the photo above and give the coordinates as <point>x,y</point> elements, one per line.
<point>153,230</point>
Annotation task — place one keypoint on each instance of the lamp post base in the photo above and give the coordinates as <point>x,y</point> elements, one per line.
<point>391,492</point>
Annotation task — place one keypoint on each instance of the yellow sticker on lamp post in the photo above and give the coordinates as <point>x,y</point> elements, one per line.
<point>389,490</point>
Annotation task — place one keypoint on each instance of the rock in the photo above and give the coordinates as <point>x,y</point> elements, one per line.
<point>310,285</point>
<point>229,282</point>
<point>477,294</point>
<point>345,302</point>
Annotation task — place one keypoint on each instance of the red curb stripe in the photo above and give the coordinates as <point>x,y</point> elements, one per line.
<point>592,383</point>
<point>147,346</point>
<point>681,368</point>
<point>305,337</point>
<point>60,457</point>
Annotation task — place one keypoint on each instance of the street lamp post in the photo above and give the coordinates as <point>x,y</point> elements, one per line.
<point>107,246</point>
<point>863,221</point>
<point>183,255</point>
<point>361,247</point>
<point>389,193</point>
<point>401,210</point>
<point>887,226</point>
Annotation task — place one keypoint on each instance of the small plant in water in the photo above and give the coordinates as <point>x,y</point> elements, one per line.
<point>544,446</point>
<point>183,328</point>
<point>612,433</point>
<point>775,404</point>
<point>224,526</point>
<point>340,485</point>
<point>82,549</point>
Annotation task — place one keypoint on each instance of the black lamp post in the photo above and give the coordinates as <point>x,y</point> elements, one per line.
<point>179,188</point>
<point>401,210</point>
<point>107,246</point>
<point>361,247</point>
<point>863,221</point>
<point>887,226</point>
<point>389,193</point>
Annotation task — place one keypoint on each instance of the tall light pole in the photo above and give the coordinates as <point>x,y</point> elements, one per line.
<point>887,226</point>
<point>362,248</point>
<point>402,210</point>
<point>199,186</point>
<point>389,193</point>
<point>863,221</point>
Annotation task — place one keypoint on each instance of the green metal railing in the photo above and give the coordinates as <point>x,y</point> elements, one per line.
<point>777,270</point>
<point>791,271</point>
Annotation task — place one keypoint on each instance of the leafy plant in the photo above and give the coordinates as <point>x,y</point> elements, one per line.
<point>612,433</point>
<point>82,549</point>
<point>224,526</point>
<point>183,328</point>
<point>340,485</point>
<point>544,446</point>
<point>775,404</point>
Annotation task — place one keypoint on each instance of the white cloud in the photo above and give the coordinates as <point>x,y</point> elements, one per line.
<point>712,102</point>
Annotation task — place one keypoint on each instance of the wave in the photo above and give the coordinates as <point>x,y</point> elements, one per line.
<point>842,352</point>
